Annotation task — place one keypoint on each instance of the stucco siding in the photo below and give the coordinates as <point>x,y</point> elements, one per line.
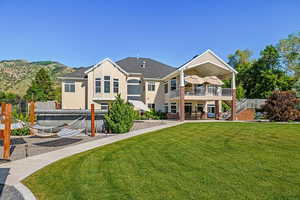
<point>157,96</point>
<point>105,69</point>
<point>74,100</point>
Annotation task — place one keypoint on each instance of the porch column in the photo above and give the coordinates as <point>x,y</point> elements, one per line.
<point>233,102</point>
<point>181,97</point>
<point>217,109</point>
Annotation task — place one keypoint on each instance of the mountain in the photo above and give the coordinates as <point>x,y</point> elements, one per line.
<point>16,75</point>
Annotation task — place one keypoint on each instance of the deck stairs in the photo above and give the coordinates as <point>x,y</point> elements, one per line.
<point>244,104</point>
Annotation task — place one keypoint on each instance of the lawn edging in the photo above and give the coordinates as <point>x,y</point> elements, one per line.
<point>25,191</point>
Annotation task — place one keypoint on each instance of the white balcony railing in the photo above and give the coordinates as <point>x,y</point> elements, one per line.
<point>227,92</point>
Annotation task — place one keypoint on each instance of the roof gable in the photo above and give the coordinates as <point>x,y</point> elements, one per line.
<point>106,60</point>
<point>208,57</point>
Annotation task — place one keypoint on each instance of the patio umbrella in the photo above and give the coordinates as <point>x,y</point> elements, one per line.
<point>139,105</point>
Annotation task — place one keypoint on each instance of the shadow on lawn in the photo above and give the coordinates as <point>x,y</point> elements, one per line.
<point>58,142</point>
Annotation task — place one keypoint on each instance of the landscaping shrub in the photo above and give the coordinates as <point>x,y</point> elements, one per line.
<point>225,107</point>
<point>20,132</point>
<point>18,115</point>
<point>153,114</point>
<point>120,116</point>
<point>281,106</point>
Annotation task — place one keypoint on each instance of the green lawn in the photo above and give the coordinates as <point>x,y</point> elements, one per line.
<point>190,161</point>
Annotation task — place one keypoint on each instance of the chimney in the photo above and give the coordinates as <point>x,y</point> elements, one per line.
<point>143,65</point>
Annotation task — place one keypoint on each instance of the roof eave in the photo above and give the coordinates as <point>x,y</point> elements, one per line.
<point>71,78</point>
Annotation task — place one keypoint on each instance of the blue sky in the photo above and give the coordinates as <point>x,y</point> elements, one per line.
<point>81,33</point>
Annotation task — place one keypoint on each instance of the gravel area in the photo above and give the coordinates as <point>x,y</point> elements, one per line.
<point>32,145</point>
<point>9,193</point>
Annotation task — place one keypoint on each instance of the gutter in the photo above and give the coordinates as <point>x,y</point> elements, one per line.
<point>71,78</point>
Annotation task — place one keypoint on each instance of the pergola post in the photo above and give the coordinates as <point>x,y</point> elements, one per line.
<point>181,96</point>
<point>233,102</point>
<point>93,120</point>
<point>7,131</point>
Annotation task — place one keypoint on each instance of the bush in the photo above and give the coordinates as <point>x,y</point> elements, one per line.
<point>281,106</point>
<point>20,132</point>
<point>225,107</point>
<point>19,115</point>
<point>152,114</point>
<point>120,116</point>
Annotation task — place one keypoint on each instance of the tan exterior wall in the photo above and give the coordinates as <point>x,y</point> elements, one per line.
<point>156,97</point>
<point>74,100</point>
<point>105,69</point>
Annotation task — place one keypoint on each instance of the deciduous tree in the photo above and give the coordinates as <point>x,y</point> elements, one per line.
<point>281,106</point>
<point>289,50</point>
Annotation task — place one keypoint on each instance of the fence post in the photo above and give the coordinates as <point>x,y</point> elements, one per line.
<point>3,107</point>
<point>31,113</point>
<point>7,131</point>
<point>92,120</point>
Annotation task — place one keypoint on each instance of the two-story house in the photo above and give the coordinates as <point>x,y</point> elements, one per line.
<point>194,90</point>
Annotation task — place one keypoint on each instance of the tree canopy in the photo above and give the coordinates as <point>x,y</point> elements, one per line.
<point>289,50</point>
<point>259,78</point>
<point>41,88</point>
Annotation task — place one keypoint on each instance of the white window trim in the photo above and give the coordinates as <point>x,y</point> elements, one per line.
<point>104,81</point>
<point>116,80</point>
<point>69,83</point>
<point>151,86</point>
<point>100,80</point>
<point>171,107</point>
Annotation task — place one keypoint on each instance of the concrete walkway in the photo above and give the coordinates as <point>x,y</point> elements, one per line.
<point>13,173</point>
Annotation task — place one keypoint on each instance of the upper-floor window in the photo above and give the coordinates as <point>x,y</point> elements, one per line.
<point>98,85</point>
<point>116,85</point>
<point>69,86</point>
<point>151,86</point>
<point>136,81</point>
<point>107,84</point>
<point>133,87</point>
<point>173,84</point>
<point>166,88</point>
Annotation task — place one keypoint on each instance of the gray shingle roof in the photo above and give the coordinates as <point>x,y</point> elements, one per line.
<point>79,73</point>
<point>152,69</point>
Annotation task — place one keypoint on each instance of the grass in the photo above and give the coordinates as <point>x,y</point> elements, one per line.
<point>190,161</point>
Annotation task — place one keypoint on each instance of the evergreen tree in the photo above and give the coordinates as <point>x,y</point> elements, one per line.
<point>120,116</point>
<point>41,88</point>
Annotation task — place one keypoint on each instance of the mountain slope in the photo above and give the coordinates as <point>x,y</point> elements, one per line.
<point>16,75</point>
